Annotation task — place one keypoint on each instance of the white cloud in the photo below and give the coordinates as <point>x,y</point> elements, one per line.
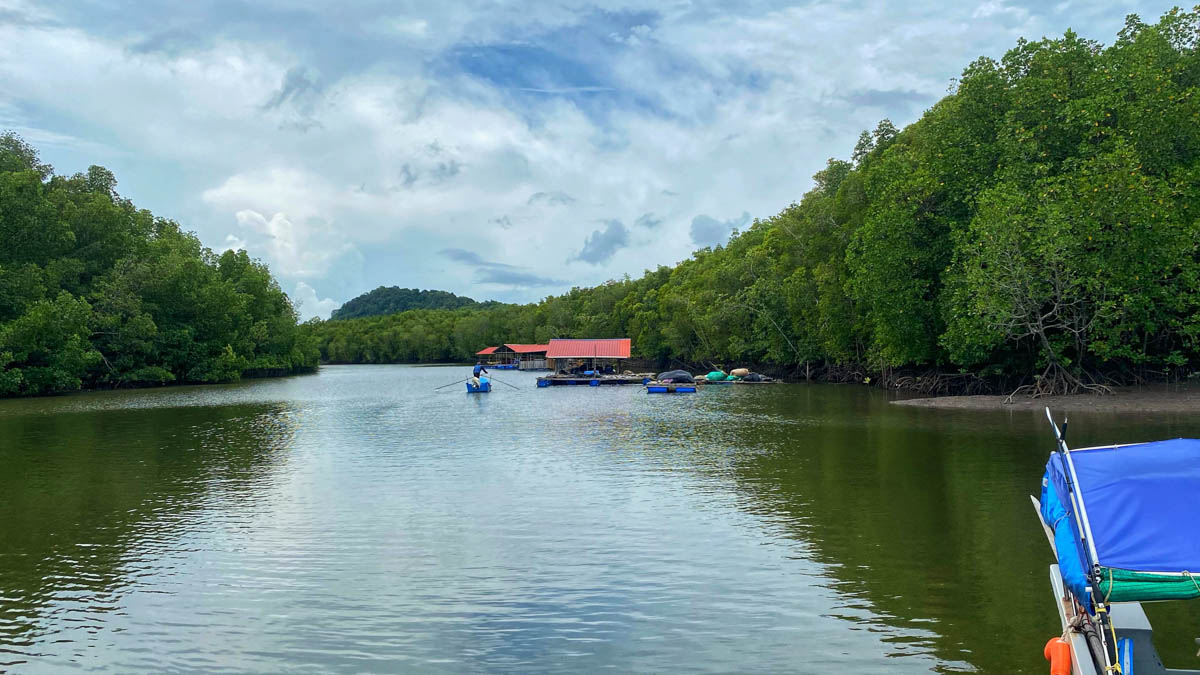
<point>416,28</point>
<point>993,8</point>
<point>344,161</point>
<point>302,195</point>
<point>309,305</point>
<point>292,249</point>
<point>233,243</point>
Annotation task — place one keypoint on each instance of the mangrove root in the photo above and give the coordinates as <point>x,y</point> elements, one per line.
<point>1057,381</point>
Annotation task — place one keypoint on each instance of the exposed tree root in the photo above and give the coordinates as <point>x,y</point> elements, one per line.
<point>1057,381</point>
<point>840,373</point>
<point>933,383</point>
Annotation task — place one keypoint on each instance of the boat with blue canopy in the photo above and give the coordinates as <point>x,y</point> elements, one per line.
<point>1124,524</point>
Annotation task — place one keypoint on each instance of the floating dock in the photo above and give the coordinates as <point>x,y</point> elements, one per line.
<point>680,388</point>
<point>590,380</point>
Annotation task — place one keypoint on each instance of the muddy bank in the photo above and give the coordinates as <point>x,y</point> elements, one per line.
<point>1154,398</point>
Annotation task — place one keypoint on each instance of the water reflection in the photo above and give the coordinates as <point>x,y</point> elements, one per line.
<point>922,518</point>
<point>360,520</point>
<point>93,501</point>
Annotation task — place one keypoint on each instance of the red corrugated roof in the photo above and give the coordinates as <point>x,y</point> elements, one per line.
<point>486,351</point>
<point>528,349</point>
<point>612,348</point>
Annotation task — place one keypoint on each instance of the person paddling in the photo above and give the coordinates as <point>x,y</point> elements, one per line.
<point>475,373</point>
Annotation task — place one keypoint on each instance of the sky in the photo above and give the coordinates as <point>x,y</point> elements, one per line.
<point>499,150</point>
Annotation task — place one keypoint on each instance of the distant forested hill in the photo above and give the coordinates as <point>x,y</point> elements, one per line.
<point>95,292</point>
<point>393,299</point>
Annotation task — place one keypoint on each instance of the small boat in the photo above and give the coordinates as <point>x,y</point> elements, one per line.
<point>1122,522</point>
<point>484,387</point>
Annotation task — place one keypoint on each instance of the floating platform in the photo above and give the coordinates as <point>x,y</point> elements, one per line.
<point>503,366</point>
<point>590,380</point>
<point>670,388</point>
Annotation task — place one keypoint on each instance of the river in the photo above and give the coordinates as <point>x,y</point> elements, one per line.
<point>357,520</point>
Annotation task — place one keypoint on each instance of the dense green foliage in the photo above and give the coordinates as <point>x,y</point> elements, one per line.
<point>393,299</point>
<point>97,293</point>
<point>1041,219</point>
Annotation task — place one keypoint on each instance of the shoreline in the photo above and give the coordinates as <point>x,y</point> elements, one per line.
<point>141,386</point>
<point>1148,398</point>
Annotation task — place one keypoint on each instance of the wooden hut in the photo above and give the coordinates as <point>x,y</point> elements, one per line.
<point>527,357</point>
<point>514,356</point>
<point>565,354</point>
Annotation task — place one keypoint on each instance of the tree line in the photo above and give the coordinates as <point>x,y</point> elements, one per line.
<point>95,292</point>
<point>1040,222</point>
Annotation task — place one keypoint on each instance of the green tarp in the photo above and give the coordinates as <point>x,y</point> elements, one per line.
<point>1126,586</point>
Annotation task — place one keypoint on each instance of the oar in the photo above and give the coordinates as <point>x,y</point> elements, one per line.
<point>493,377</point>
<point>449,385</point>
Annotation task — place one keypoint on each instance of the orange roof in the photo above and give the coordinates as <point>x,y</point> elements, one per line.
<point>611,348</point>
<point>528,349</point>
<point>486,351</point>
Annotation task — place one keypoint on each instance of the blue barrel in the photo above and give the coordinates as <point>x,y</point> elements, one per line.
<point>594,383</point>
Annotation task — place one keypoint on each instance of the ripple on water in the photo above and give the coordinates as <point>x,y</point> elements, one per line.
<point>356,520</point>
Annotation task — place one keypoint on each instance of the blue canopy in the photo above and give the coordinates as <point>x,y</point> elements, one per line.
<point>1058,511</point>
<point>1142,503</point>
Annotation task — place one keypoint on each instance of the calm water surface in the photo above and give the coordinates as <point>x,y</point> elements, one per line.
<point>357,521</point>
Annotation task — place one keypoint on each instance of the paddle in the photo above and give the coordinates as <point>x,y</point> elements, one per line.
<point>504,383</point>
<point>449,385</point>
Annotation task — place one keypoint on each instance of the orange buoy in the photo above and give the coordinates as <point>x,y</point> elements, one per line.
<point>1058,653</point>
